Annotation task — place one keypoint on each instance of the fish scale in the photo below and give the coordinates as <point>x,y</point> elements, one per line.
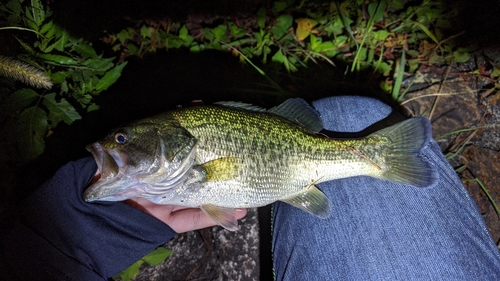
<point>235,155</point>
<point>275,155</point>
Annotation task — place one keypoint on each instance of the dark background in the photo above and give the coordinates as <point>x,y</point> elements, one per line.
<point>164,80</point>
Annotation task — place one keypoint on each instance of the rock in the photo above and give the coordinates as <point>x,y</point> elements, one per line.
<point>211,254</point>
<point>484,164</point>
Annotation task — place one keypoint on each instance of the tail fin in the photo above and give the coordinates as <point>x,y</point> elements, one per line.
<point>403,159</point>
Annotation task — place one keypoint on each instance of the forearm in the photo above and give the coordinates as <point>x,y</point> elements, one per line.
<point>62,235</point>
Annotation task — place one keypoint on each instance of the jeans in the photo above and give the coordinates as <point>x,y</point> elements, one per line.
<point>381,230</point>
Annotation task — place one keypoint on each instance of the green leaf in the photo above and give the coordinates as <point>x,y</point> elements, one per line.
<point>261,18</point>
<point>52,31</point>
<point>336,27</point>
<point>38,11</point>
<point>46,27</point>
<point>461,55</point>
<point>279,6</point>
<point>220,33</point>
<point>386,87</point>
<point>413,64</point>
<point>144,31</point>
<point>61,110</point>
<point>44,46</point>
<point>19,100</point>
<point>64,87</point>
<point>132,48</point>
<point>173,41</point>
<point>84,100</point>
<point>278,57</point>
<point>383,67</point>
<point>196,48</point>
<point>361,53</point>
<point>376,10</point>
<point>131,272</point>
<point>14,6</point>
<point>92,107</point>
<point>290,63</point>
<point>400,71</point>
<point>85,49</point>
<point>27,47</point>
<point>380,35</point>
<point>183,32</point>
<point>283,23</point>
<point>110,77</point>
<point>125,35</point>
<point>62,41</point>
<point>427,31</point>
<point>328,48</point>
<point>397,4</point>
<point>30,132</point>
<point>157,256</point>
<point>99,64</point>
<point>235,31</point>
<point>215,45</point>
<point>340,40</point>
<point>31,21</point>
<point>315,41</point>
<point>63,60</point>
<point>77,76</point>
<point>184,35</point>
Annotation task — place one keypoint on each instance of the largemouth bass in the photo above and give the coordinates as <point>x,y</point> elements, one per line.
<point>234,155</point>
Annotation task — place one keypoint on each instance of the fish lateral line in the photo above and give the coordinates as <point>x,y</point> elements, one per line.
<point>364,156</point>
<point>353,150</point>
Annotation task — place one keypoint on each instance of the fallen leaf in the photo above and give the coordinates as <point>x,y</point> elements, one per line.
<point>304,27</point>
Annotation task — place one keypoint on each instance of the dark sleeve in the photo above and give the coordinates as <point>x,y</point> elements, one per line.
<point>62,237</point>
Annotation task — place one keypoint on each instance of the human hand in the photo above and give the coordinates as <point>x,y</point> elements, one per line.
<point>180,219</point>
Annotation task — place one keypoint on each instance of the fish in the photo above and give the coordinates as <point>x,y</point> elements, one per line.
<point>233,155</point>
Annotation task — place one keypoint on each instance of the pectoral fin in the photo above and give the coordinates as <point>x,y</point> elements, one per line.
<point>312,201</point>
<point>225,217</point>
<point>221,169</point>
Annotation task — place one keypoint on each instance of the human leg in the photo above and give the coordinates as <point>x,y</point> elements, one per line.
<point>384,230</point>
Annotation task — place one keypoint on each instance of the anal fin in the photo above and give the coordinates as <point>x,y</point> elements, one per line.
<point>312,200</point>
<point>225,217</point>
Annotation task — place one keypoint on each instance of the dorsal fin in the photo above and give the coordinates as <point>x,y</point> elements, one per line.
<point>299,111</point>
<point>296,110</point>
<point>241,105</point>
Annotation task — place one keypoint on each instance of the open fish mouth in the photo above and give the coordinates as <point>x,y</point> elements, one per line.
<point>110,163</point>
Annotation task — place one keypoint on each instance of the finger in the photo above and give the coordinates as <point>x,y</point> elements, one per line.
<point>145,205</point>
<point>161,212</point>
<point>193,219</point>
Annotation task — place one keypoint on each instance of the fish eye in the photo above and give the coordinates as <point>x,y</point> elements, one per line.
<point>121,138</point>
